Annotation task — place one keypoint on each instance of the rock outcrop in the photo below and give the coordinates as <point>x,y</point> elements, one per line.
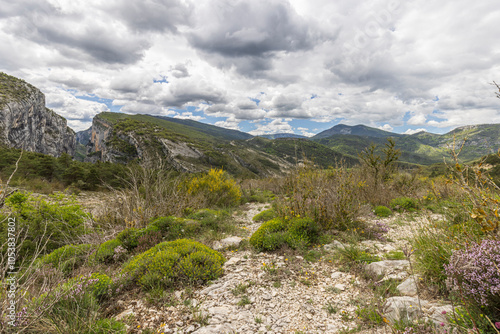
<point>25,121</point>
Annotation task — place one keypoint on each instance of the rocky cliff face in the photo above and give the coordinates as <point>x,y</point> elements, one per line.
<point>107,144</point>
<point>26,123</point>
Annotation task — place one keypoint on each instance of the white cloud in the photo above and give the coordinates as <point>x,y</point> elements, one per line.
<point>367,62</point>
<point>412,132</point>
<point>189,115</point>
<point>275,126</point>
<point>418,119</point>
<point>386,127</point>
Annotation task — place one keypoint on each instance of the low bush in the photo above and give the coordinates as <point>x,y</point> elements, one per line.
<point>264,216</point>
<point>174,262</point>
<point>382,211</point>
<point>435,244</point>
<point>296,233</point>
<point>107,326</point>
<point>129,238</point>
<point>331,197</point>
<point>72,307</point>
<point>51,223</point>
<point>148,240</point>
<point>302,232</point>
<point>475,275</point>
<point>105,253</point>
<point>352,254</point>
<point>269,236</point>
<point>404,204</point>
<point>210,219</point>
<point>67,258</point>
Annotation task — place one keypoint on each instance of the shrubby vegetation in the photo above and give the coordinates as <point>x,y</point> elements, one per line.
<point>46,224</point>
<point>382,211</point>
<point>67,258</point>
<point>151,231</point>
<point>170,263</point>
<point>44,173</point>
<point>215,188</point>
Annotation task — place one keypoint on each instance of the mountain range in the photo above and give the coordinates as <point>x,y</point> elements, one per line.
<point>188,145</point>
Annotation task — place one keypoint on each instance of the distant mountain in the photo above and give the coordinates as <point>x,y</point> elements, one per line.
<point>283,135</point>
<point>357,130</point>
<point>83,137</point>
<point>421,148</point>
<point>209,129</point>
<point>187,145</point>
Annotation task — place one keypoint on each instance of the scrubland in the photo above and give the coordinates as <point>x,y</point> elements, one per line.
<point>152,234</point>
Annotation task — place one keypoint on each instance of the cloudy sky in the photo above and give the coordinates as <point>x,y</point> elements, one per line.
<point>259,66</point>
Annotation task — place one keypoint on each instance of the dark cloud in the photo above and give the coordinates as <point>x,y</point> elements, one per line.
<point>246,34</point>
<point>180,71</point>
<point>152,15</point>
<point>244,28</point>
<point>75,35</point>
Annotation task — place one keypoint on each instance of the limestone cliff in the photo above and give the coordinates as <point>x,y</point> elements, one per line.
<point>26,123</point>
<point>110,144</point>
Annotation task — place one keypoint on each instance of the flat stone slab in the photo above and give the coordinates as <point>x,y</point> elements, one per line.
<point>216,329</point>
<point>386,267</point>
<point>397,307</point>
<point>227,242</point>
<point>334,245</point>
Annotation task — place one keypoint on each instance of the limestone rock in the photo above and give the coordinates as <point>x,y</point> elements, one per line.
<point>125,314</point>
<point>439,314</point>
<point>26,123</point>
<point>409,286</point>
<point>334,245</point>
<point>397,307</point>
<point>386,267</point>
<point>227,242</point>
<point>216,329</point>
<point>232,261</point>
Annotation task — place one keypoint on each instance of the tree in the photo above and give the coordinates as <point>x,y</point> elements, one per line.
<point>381,167</point>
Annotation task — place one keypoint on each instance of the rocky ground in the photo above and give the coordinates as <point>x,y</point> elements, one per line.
<point>285,293</point>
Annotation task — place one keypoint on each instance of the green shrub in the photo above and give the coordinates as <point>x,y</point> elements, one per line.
<point>107,326</point>
<point>265,238</point>
<point>296,233</point>
<point>208,214</point>
<point>105,252</point>
<point>435,244</point>
<point>273,241</point>
<point>71,307</point>
<point>54,223</point>
<point>352,253</point>
<point>395,255</point>
<point>382,211</point>
<point>304,229</point>
<point>67,258</point>
<point>210,219</point>
<point>129,238</point>
<point>404,204</point>
<point>100,285</point>
<point>174,262</point>
<point>265,216</point>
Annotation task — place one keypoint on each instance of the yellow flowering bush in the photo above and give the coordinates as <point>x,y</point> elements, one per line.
<point>170,263</point>
<point>215,188</point>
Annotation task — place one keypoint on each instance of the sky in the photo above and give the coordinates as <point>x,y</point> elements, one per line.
<point>273,66</point>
